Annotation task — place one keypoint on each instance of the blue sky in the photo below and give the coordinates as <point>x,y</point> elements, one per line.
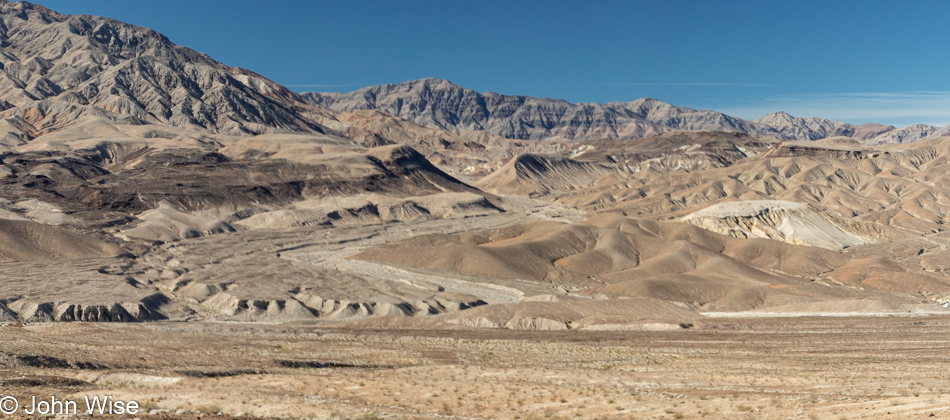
<point>856,61</point>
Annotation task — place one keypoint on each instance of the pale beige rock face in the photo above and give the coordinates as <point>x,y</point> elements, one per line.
<point>785,221</point>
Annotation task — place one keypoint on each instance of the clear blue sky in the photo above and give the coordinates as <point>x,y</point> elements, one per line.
<point>856,61</point>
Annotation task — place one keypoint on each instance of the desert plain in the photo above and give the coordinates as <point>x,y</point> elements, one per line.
<point>749,368</point>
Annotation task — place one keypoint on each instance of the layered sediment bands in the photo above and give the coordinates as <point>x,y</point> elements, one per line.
<point>308,306</point>
<point>532,174</point>
<point>784,221</point>
<point>163,186</point>
<point>373,208</point>
<point>222,304</point>
<point>32,310</point>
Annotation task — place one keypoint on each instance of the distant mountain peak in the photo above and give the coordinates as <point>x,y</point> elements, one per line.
<point>433,80</point>
<point>780,114</point>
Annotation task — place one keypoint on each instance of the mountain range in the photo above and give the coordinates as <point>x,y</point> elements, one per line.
<point>439,103</point>
<point>57,69</point>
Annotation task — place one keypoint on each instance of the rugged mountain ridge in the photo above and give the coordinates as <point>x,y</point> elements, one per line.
<point>56,69</point>
<point>812,128</point>
<point>441,104</point>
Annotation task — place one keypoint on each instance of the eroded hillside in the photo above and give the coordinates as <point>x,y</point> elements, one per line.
<point>141,180</point>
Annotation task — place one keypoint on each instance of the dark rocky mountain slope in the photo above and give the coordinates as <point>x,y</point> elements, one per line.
<point>56,69</point>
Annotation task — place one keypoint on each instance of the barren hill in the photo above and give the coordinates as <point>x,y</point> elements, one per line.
<point>621,257</point>
<point>26,240</point>
<point>533,174</point>
<point>898,186</point>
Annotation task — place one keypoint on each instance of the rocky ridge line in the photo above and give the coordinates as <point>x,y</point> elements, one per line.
<point>439,103</point>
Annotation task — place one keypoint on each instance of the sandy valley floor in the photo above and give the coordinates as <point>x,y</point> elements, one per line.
<point>862,367</point>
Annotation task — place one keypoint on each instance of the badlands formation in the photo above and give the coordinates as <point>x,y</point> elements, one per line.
<point>174,229</point>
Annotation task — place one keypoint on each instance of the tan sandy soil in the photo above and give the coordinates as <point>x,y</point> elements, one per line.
<point>850,367</point>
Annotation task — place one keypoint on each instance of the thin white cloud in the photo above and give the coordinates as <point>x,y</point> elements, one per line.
<point>687,84</point>
<point>896,108</point>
